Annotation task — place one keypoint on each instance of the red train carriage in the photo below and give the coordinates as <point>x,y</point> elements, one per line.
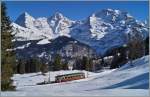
<point>69,77</point>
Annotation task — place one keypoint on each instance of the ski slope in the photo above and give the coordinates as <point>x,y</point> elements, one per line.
<point>125,81</point>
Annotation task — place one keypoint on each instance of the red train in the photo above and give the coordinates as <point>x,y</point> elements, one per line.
<point>69,77</point>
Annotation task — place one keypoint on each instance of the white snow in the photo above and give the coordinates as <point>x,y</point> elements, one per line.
<point>44,41</point>
<point>117,11</point>
<point>125,81</point>
<point>129,16</point>
<point>20,47</point>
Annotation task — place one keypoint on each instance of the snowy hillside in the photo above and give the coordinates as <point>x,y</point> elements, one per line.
<point>102,30</point>
<point>125,81</point>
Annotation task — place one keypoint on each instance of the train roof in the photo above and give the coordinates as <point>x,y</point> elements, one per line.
<point>70,74</point>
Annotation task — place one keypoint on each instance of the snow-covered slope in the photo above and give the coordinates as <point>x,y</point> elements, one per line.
<point>125,81</point>
<point>102,30</point>
<point>23,34</point>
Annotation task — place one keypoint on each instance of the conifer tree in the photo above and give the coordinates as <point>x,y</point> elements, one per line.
<point>57,62</point>
<point>136,45</point>
<point>43,68</point>
<point>85,63</point>
<point>7,55</point>
<point>65,66</point>
<point>21,66</point>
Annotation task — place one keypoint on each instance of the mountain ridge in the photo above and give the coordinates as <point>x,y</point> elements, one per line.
<point>102,30</point>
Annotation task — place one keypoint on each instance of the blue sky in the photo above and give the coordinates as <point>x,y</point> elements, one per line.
<point>75,10</point>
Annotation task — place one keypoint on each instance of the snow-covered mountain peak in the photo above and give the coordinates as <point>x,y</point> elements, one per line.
<point>106,29</point>
<point>60,24</point>
<point>58,15</point>
<point>26,14</point>
<point>112,15</point>
<point>106,12</point>
<point>25,20</point>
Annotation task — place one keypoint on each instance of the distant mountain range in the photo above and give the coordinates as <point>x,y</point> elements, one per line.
<point>101,31</point>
